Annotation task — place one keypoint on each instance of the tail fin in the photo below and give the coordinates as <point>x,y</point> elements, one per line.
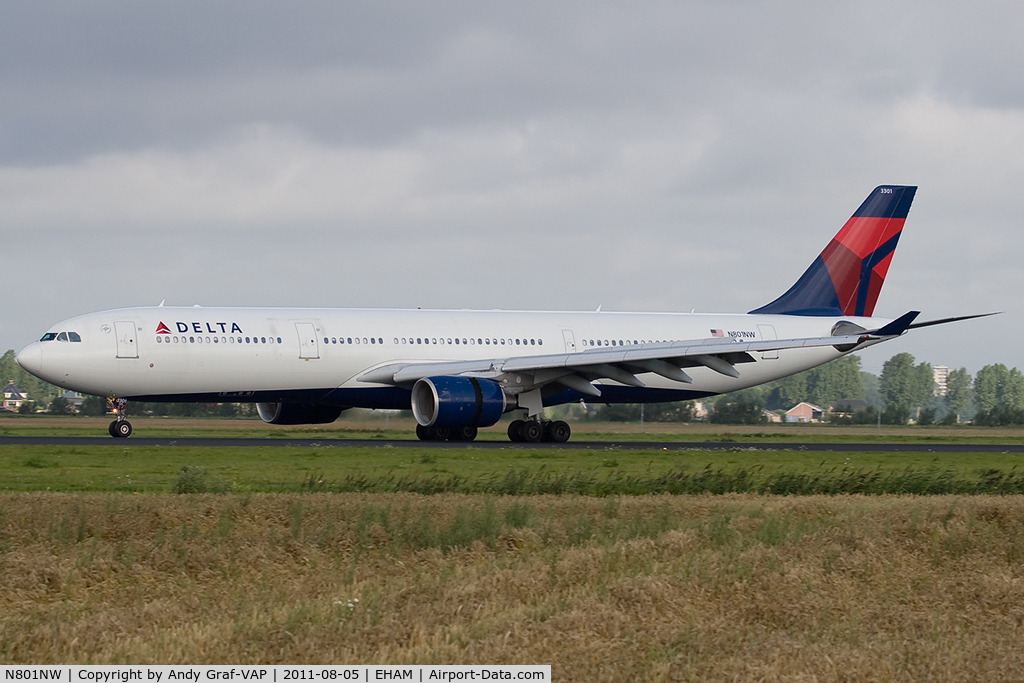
<point>847,276</point>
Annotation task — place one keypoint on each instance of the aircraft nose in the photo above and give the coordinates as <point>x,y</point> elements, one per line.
<point>31,358</point>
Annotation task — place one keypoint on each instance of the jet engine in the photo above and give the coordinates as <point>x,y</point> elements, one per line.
<point>298,413</point>
<point>453,402</point>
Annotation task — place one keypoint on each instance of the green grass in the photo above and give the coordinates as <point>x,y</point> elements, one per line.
<point>124,467</point>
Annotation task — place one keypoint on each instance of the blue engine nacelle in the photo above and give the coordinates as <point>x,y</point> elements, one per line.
<point>457,402</point>
<point>298,413</point>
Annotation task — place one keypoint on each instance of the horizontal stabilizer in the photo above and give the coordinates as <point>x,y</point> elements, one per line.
<point>929,323</point>
<point>897,326</point>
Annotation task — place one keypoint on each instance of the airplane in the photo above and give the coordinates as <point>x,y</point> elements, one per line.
<point>461,370</point>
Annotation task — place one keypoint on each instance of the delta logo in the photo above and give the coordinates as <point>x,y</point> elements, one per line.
<point>198,328</point>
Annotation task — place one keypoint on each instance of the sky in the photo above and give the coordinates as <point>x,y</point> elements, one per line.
<point>652,156</point>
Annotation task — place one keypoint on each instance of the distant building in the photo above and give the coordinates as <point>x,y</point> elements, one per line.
<point>771,415</point>
<point>941,375</point>
<point>74,400</point>
<point>13,397</point>
<point>805,412</point>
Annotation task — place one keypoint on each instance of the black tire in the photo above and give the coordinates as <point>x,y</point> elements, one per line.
<point>421,433</point>
<point>122,429</point>
<point>559,432</point>
<point>463,434</point>
<point>111,429</point>
<point>515,431</point>
<point>532,431</point>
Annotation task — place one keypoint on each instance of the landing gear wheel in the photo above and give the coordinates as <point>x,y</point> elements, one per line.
<point>532,431</point>
<point>120,429</point>
<point>463,434</point>
<point>515,431</point>
<point>557,432</point>
<point>433,433</point>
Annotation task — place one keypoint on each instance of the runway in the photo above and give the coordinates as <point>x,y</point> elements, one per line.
<point>205,442</point>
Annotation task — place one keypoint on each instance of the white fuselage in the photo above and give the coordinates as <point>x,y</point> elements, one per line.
<point>268,354</point>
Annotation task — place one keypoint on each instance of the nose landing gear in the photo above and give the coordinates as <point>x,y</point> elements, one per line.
<point>120,428</point>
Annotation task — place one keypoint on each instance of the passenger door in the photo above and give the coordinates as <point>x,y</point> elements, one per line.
<point>127,339</point>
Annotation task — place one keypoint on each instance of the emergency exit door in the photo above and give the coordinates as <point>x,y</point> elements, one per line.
<point>308,347</point>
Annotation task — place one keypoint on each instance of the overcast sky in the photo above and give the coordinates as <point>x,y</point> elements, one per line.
<point>654,156</point>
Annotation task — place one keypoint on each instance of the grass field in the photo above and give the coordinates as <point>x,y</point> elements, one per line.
<point>652,588</point>
<point>107,566</point>
<point>124,467</point>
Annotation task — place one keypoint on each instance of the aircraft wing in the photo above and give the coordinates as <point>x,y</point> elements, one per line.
<point>623,364</point>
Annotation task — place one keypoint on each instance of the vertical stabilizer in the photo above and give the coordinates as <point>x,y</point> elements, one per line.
<point>847,276</point>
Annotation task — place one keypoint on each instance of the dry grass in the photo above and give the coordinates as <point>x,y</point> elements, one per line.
<point>639,588</point>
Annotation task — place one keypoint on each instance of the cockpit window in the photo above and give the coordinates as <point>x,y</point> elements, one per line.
<point>74,336</point>
<point>49,336</point>
<point>63,336</point>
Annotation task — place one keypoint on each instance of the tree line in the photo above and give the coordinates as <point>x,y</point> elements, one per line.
<point>904,392</point>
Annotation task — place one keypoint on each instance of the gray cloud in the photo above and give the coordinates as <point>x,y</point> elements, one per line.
<point>656,157</point>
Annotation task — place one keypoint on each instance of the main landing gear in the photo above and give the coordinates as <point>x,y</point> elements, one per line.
<point>120,428</point>
<point>535,431</point>
<point>445,433</point>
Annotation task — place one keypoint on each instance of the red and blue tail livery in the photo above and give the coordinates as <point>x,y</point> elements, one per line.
<point>847,276</point>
